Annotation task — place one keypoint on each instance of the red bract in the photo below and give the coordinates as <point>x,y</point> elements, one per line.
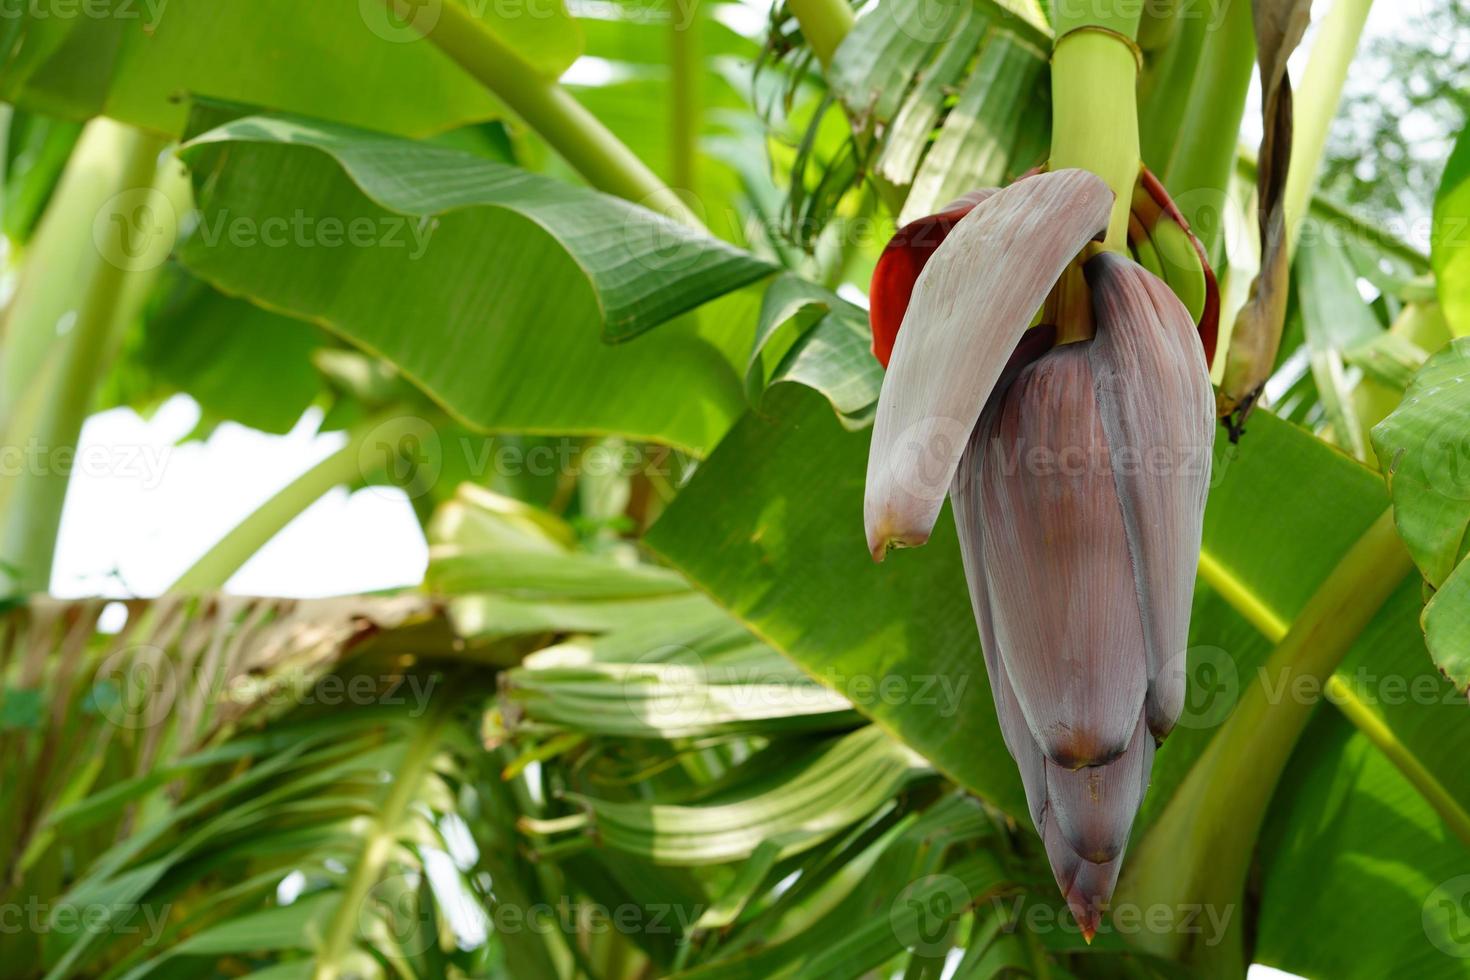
<point>910,248</point>
<point>900,264</point>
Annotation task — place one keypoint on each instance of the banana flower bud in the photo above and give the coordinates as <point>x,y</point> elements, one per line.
<point>1078,477</point>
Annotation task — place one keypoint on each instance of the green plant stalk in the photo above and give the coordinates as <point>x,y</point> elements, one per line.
<point>378,846</point>
<point>1163,94</point>
<point>1207,136</point>
<point>346,465</point>
<point>1071,15</point>
<point>1341,694</point>
<point>686,77</point>
<point>1159,28</point>
<point>573,132</point>
<point>62,252</point>
<point>66,275</point>
<point>1094,78</point>
<point>517,882</point>
<point>1199,850</point>
<point>1315,104</point>
<point>824,23</point>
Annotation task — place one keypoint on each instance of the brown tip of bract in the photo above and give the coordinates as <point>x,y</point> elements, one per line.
<point>1091,892</point>
<point>882,539</point>
<point>1087,887</point>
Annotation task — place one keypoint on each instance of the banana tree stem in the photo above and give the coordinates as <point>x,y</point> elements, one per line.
<point>1199,849</point>
<point>684,103</point>
<point>1207,137</point>
<point>355,461</point>
<point>378,847</point>
<point>77,288</point>
<point>1164,90</point>
<point>1341,694</point>
<point>548,108</point>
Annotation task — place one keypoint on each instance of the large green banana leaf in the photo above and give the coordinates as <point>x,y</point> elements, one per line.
<point>494,289</point>
<point>787,556</point>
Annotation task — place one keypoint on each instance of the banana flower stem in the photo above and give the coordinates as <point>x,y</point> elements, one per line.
<point>69,278</point>
<point>1094,82</point>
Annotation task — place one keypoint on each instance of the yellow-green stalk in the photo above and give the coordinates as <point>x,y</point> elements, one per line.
<point>1198,851</point>
<point>824,23</point>
<point>1205,136</point>
<point>78,286</point>
<point>567,126</point>
<point>1094,84</point>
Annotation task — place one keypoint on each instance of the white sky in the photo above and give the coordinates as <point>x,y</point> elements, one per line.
<point>130,528</point>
